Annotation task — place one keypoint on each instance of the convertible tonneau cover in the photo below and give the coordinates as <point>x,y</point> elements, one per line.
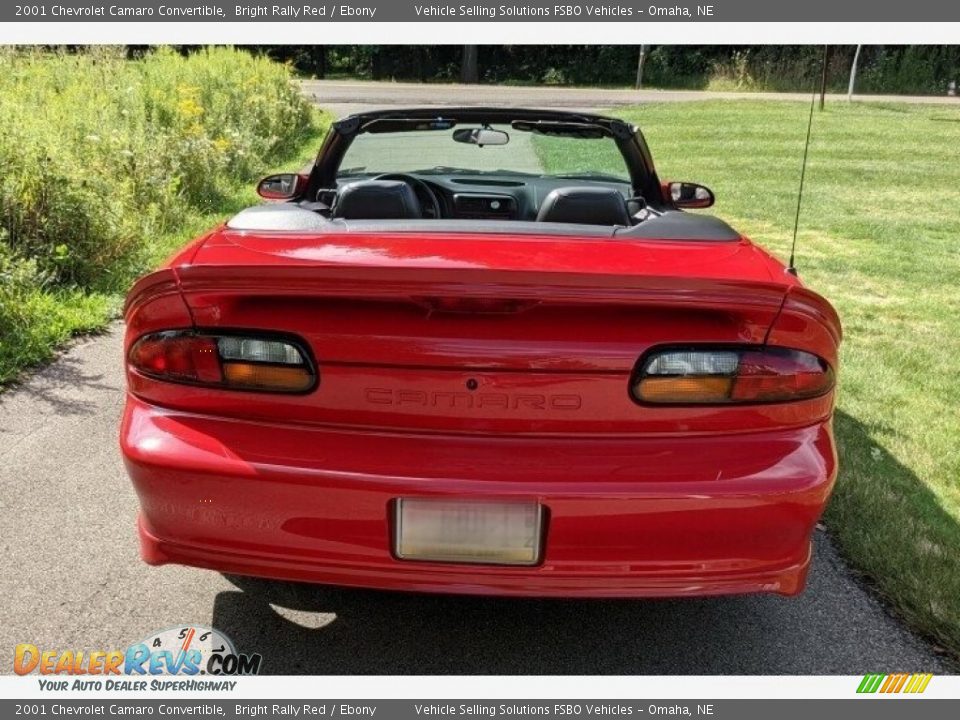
<point>672,225</point>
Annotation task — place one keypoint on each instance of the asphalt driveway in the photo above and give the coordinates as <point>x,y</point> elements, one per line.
<point>71,579</point>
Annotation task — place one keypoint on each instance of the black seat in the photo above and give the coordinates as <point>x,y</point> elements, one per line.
<point>585,206</point>
<point>377,200</point>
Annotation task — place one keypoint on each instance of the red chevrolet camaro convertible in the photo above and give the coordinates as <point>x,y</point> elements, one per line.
<point>482,351</point>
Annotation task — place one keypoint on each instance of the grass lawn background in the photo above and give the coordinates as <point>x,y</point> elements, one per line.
<point>880,237</point>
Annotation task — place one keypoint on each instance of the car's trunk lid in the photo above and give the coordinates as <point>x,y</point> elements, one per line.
<point>479,333</point>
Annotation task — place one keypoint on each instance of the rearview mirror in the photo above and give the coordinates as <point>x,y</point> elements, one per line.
<point>283,186</point>
<point>481,136</point>
<point>689,196</point>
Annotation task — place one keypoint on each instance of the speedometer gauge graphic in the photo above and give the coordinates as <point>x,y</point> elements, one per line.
<point>188,646</point>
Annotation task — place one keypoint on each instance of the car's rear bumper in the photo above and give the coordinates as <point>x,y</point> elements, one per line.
<point>650,516</point>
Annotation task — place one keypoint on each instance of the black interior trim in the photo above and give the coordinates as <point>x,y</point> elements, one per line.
<point>377,199</point>
<point>592,205</point>
<point>679,225</point>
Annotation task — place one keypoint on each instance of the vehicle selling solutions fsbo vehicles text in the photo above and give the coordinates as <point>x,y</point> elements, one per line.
<point>494,11</point>
<point>561,10</point>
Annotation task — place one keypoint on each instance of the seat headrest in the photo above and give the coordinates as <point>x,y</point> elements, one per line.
<point>586,206</point>
<point>377,200</point>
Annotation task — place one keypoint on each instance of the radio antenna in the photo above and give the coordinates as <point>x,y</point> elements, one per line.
<point>791,266</point>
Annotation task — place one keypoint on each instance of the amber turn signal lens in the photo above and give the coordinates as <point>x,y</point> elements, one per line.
<point>684,389</point>
<point>267,377</point>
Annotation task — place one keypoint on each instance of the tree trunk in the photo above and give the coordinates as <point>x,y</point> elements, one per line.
<point>640,62</point>
<point>823,76</point>
<point>469,73</point>
<point>319,60</point>
<point>853,74</point>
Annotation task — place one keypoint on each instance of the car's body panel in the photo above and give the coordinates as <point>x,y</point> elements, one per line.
<point>736,259</point>
<point>365,304</point>
<point>627,516</point>
<point>456,363</point>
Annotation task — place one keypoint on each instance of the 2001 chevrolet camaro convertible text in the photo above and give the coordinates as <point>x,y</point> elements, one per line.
<point>482,351</point>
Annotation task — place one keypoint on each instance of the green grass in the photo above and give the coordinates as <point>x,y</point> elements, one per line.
<point>880,237</point>
<point>41,320</point>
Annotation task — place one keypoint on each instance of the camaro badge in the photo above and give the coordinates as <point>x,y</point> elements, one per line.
<point>468,400</point>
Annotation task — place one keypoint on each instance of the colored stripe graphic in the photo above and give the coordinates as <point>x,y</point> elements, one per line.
<point>189,639</point>
<point>894,683</point>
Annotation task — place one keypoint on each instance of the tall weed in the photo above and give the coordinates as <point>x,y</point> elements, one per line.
<point>98,153</point>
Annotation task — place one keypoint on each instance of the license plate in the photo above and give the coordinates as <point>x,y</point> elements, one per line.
<point>500,533</point>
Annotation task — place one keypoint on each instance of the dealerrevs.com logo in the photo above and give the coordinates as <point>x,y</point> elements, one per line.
<point>186,650</point>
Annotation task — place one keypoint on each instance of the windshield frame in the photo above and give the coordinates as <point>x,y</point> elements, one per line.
<point>628,139</point>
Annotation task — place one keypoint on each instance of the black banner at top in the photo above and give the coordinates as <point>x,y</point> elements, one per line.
<point>316,11</point>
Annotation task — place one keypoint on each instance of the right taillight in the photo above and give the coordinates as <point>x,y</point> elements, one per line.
<point>709,376</point>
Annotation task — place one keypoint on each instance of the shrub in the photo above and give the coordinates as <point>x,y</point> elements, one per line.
<point>99,153</point>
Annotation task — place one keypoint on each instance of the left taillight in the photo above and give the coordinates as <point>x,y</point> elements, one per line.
<point>718,376</point>
<point>231,361</point>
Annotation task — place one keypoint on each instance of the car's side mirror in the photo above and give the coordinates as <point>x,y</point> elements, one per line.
<point>283,186</point>
<point>689,196</point>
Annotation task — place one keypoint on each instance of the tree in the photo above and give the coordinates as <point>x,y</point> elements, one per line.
<point>823,75</point>
<point>641,60</point>
<point>469,72</point>
<point>853,74</point>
